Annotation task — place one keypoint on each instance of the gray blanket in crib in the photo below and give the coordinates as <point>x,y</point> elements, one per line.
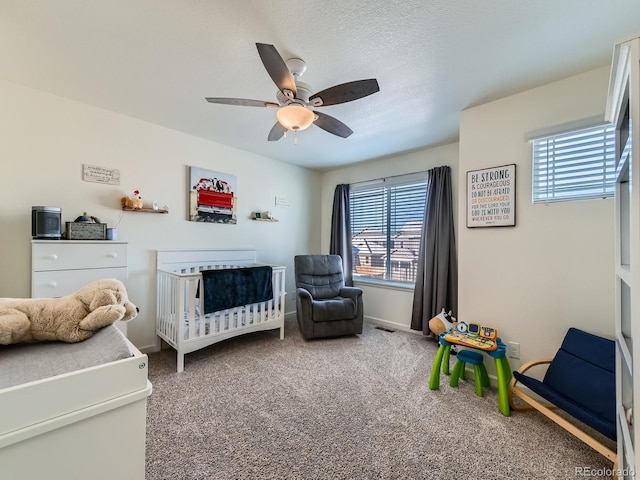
<point>27,362</point>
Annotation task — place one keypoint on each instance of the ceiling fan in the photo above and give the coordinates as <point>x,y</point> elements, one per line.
<point>295,102</point>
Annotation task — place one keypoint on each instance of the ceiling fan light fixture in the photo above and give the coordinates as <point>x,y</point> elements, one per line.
<point>295,117</point>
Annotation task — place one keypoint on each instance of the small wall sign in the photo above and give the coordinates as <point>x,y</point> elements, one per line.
<point>491,197</point>
<point>93,173</point>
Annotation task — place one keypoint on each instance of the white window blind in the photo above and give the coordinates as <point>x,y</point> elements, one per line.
<point>386,227</point>
<point>574,165</point>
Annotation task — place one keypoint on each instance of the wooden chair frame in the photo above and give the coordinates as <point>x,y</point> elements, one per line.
<point>547,410</point>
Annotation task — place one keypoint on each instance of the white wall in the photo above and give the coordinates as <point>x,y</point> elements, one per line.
<point>386,306</point>
<point>532,281</point>
<point>554,269</point>
<point>45,141</point>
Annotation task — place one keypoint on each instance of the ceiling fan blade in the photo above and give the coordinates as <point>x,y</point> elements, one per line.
<point>276,133</point>
<point>345,92</point>
<point>243,102</point>
<point>276,68</point>
<point>332,125</point>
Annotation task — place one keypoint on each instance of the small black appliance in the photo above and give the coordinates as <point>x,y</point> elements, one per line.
<point>46,222</point>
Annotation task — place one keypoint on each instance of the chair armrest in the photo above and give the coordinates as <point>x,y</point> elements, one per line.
<point>304,293</point>
<point>511,390</point>
<point>533,363</point>
<point>350,292</point>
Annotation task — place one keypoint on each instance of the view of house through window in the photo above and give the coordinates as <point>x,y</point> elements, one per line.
<point>386,226</point>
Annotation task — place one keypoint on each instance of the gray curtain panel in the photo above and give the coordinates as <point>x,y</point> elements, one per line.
<point>341,231</point>
<point>437,274</point>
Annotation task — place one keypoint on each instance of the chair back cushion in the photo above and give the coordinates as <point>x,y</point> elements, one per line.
<point>321,275</point>
<point>584,371</point>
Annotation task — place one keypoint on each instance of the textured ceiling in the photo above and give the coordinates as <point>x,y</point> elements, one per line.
<point>157,60</point>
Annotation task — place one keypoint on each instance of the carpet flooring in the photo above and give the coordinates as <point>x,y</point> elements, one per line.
<point>356,407</point>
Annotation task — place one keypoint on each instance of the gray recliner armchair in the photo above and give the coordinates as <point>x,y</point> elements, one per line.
<point>325,307</point>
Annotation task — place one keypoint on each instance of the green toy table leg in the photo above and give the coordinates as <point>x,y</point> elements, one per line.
<point>458,372</point>
<point>504,375</point>
<point>507,369</point>
<point>484,376</point>
<point>434,381</point>
<point>478,380</point>
<point>445,364</point>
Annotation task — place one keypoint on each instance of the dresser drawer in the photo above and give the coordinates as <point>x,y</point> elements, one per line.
<point>64,282</point>
<point>69,255</point>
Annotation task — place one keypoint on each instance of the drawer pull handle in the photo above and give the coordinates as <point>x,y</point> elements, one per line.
<point>53,284</point>
<point>53,256</point>
<point>112,255</point>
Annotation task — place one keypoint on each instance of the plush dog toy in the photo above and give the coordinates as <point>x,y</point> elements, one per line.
<point>72,318</point>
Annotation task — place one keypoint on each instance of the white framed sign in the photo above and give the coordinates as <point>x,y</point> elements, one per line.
<point>93,173</point>
<point>491,197</point>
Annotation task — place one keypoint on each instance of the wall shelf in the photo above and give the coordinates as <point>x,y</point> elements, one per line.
<point>264,219</point>
<point>145,210</point>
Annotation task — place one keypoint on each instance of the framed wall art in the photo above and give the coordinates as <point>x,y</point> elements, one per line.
<point>491,197</point>
<point>212,196</point>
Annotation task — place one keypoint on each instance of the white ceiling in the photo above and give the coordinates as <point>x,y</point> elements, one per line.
<point>157,60</point>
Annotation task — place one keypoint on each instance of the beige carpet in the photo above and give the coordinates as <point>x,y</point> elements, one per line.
<point>358,407</point>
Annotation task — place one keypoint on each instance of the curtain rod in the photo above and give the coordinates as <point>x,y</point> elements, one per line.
<point>390,176</point>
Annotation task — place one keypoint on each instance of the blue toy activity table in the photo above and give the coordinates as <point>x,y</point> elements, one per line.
<point>503,370</point>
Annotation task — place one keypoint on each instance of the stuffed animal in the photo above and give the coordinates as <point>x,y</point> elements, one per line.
<point>441,323</point>
<point>132,201</point>
<point>72,318</point>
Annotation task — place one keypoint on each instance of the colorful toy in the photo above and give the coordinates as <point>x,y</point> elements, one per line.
<point>488,332</point>
<point>473,330</point>
<point>473,335</point>
<point>133,202</point>
<point>441,322</point>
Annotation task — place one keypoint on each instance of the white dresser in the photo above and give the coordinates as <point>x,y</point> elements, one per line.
<point>60,267</point>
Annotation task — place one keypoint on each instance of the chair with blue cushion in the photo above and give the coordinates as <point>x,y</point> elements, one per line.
<point>580,380</point>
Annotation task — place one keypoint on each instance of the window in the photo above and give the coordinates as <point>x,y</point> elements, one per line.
<point>386,226</point>
<point>574,165</point>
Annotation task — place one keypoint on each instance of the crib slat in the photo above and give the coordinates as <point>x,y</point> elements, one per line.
<point>179,316</point>
<point>175,320</point>
<point>190,291</point>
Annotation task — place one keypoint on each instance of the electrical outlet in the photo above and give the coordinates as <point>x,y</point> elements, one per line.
<point>513,350</point>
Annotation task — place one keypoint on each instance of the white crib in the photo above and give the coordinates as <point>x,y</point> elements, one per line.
<point>178,318</point>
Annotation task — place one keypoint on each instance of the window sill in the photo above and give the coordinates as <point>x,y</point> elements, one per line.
<point>405,287</point>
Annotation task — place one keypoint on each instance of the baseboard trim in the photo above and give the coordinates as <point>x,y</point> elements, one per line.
<point>391,325</point>
<point>148,349</point>
<point>375,321</point>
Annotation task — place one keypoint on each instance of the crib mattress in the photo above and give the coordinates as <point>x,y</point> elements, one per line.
<point>22,363</point>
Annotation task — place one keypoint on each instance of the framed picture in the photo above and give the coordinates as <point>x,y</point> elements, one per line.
<point>491,197</point>
<point>212,196</point>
